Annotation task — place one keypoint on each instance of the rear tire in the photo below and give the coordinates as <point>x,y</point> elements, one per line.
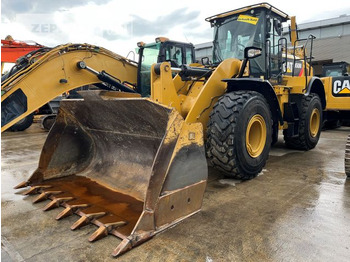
<point>239,134</point>
<point>310,124</point>
<point>23,124</point>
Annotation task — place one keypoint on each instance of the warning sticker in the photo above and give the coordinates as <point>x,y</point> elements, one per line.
<point>248,19</point>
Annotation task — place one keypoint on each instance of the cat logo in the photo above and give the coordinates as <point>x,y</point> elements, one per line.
<point>341,86</point>
<point>298,67</point>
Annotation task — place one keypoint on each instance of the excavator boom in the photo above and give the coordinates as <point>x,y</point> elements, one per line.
<point>58,71</point>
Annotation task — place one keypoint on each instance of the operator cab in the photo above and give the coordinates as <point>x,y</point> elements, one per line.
<point>336,69</point>
<point>258,26</point>
<point>177,53</point>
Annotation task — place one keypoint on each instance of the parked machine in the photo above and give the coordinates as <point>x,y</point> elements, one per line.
<point>11,50</point>
<point>336,69</point>
<point>44,74</point>
<point>135,166</point>
<point>337,88</point>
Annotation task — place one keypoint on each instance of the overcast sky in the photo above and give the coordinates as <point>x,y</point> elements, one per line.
<point>119,24</point>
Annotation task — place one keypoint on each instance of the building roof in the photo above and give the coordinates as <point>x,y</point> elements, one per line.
<point>320,24</point>
<point>336,48</point>
<point>343,19</point>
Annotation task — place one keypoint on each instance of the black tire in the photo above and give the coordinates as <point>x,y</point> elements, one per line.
<point>226,144</point>
<point>306,139</point>
<point>23,124</point>
<point>347,157</point>
<point>47,122</point>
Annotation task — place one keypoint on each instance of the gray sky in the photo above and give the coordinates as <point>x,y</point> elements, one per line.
<point>119,25</point>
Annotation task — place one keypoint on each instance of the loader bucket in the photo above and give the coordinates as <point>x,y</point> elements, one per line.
<point>129,166</point>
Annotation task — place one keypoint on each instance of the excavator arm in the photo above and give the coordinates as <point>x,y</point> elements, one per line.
<point>57,71</point>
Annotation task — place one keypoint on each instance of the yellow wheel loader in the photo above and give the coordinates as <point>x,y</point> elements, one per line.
<point>337,88</point>
<point>136,166</point>
<point>42,75</point>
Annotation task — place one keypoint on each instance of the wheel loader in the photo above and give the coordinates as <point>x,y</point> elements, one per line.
<point>44,74</point>
<point>135,166</point>
<point>337,88</point>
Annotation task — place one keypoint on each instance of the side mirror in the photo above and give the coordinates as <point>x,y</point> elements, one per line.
<point>278,26</point>
<point>205,60</point>
<point>252,52</point>
<point>249,53</point>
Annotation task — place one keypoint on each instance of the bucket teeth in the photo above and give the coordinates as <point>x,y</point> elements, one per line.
<point>45,195</point>
<point>123,247</point>
<point>21,185</point>
<point>65,213</point>
<point>35,189</point>
<point>70,210</point>
<point>84,220</point>
<point>56,202</point>
<point>103,230</point>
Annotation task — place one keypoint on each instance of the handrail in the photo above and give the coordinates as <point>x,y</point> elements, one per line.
<point>304,58</point>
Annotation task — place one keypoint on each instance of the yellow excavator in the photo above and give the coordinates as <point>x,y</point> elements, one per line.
<point>135,166</point>
<point>42,75</point>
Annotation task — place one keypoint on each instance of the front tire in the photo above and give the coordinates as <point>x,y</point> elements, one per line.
<point>239,134</point>
<point>310,124</point>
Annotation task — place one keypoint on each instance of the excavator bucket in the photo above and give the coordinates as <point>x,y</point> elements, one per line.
<point>129,166</point>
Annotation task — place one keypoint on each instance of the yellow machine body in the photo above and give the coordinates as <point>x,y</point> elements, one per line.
<point>337,91</point>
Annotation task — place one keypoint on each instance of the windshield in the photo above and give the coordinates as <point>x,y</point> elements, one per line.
<point>235,33</point>
<point>334,72</point>
<point>149,57</point>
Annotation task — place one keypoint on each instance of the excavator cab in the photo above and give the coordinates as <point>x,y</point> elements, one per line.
<point>163,49</point>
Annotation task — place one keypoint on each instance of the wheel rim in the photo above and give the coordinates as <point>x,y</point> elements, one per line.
<point>256,136</point>
<point>315,119</point>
